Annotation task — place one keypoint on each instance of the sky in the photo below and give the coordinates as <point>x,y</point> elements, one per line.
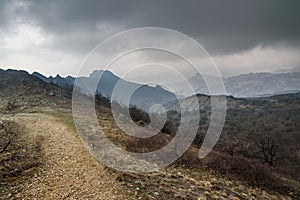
<point>241,36</point>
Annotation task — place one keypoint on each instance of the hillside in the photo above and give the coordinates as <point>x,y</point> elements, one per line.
<point>20,91</point>
<point>263,132</point>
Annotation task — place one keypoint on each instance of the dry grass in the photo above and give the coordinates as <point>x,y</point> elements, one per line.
<point>19,156</point>
<point>175,181</point>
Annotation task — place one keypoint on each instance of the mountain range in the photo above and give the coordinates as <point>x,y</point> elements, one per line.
<point>247,85</point>
<point>241,86</point>
<point>144,96</point>
<point>282,71</point>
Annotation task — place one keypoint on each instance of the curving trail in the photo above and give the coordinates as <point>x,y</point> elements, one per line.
<point>68,171</point>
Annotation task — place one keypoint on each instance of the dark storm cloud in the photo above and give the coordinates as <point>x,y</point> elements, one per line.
<point>223,27</point>
<point>4,15</point>
<point>230,25</point>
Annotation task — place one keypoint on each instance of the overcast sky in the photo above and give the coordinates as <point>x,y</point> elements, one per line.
<point>242,36</point>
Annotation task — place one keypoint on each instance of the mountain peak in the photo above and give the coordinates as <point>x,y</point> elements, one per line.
<point>96,73</point>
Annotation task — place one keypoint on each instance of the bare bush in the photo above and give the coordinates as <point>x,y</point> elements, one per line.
<point>11,105</point>
<point>268,143</point>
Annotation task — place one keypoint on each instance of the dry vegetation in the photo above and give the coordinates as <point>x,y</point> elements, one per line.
<point>20,155</point>
<point>174,181</point>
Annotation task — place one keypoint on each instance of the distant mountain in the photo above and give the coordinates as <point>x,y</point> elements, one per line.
<point>262,84</point>
<point>144,96</point>
<point>249,85</point>
<point>281,71</point>
<point>66,82</point>
<point>245,86</point>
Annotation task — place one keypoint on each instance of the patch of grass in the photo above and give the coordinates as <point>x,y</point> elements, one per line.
<point>65,118</point>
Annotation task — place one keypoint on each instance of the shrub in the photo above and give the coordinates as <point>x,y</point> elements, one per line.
<point>142,145</point>
<point>248,170</point>
<point>139,116</point>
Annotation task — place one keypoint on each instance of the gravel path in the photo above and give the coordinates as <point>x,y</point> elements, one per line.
<point>69,171</point>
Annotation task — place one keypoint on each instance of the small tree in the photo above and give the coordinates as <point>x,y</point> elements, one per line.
<point>268,142</point>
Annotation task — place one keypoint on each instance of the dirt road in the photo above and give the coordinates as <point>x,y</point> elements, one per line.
<point>68,171</point>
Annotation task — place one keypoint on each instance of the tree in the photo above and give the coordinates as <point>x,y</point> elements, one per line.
<point>268,141</point>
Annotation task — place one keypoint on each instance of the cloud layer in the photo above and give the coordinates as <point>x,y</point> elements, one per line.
<point>242,36</point>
